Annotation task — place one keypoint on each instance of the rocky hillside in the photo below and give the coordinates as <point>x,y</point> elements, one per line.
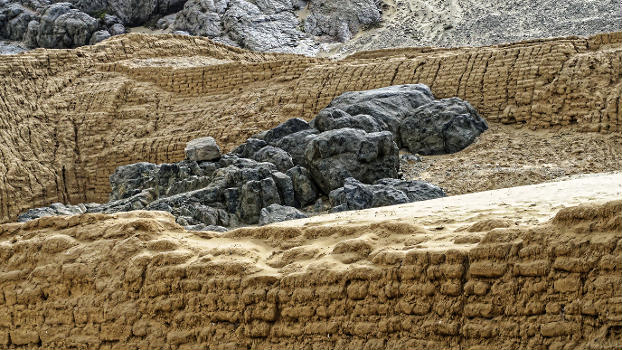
<point>69,118</point>
<point>311,27</point>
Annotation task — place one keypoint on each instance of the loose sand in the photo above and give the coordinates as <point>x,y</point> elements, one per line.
<point>507,156</point>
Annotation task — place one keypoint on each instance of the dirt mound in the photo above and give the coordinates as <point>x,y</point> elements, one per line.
<point>139,280</point>
<point>69,118</point>
<point>592,218</point>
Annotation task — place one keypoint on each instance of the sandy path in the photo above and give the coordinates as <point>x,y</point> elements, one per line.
<point>523,204</point>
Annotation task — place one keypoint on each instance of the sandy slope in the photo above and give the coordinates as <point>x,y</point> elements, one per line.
<point>446,219</point>
<point>507,156</point>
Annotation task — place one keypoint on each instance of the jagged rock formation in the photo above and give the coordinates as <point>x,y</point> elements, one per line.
<point>476,276</point>
<point>314,27</point>
<point>57,26</point>
<point>274,25</point>
<point>258,182</point>
<point>135,12</point>
<point>83,113</point>
<point>269,26</point>
<point>354,195</point>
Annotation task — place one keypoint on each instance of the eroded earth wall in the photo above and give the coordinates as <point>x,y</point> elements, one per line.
<point>68,118</point>
<point>138,280</point>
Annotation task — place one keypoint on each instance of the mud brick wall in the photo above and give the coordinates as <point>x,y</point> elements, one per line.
<point>68,118</point>
<point>138,280</point>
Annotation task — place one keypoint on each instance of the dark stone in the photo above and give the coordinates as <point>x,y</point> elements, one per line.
<point>285,186</point>
<point>338,154</point>
<point>128,180</point>
<point>249,148</point>
<point>202,149</point>
<point>295,144</point>
<point>276,156</point>
<point>442,126</point>
<point>334,118</point>
<point>304,188</point>
<point>355,195</point>
<point>277,213</point>
<point>388,105</point>
<point>289,127</point>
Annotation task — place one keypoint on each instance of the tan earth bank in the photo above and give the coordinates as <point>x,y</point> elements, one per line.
<point>68,118</point>
<point>524,267</point>
<point>510,268</point>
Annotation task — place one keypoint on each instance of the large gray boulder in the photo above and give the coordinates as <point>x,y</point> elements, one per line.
<point>62,26</point>
<point>285,186</point>
<point>387,106</point>
<point>296,144</point>
<point>201,17</point>
<point>247,25</point>
<point>338,154</point>
<point>441,126</point>
<point>276,156</point>
<point>341,19</point>
<point>202,149</point>
<point>14,19</point>
<point>277,213</point>
<point>331,118</point>
<point>355,195</point>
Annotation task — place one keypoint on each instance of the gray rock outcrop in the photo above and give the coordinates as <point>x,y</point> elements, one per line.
<point>62,26</point>
<point>341,19</point>
<point>128,180</point>
<point>338,154</point>
<point>134,13</point>
<point>387,106</point>
<point>441,126</point>
<point>277,213</point>
<point>14,19</point>
<point>355,195</point>
<point>41,24</point>
<point>273,25</point>
<point>52,210</point>
<point>285,172</point>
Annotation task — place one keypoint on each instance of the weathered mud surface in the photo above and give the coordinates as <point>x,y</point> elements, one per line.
<point>476,274</point>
